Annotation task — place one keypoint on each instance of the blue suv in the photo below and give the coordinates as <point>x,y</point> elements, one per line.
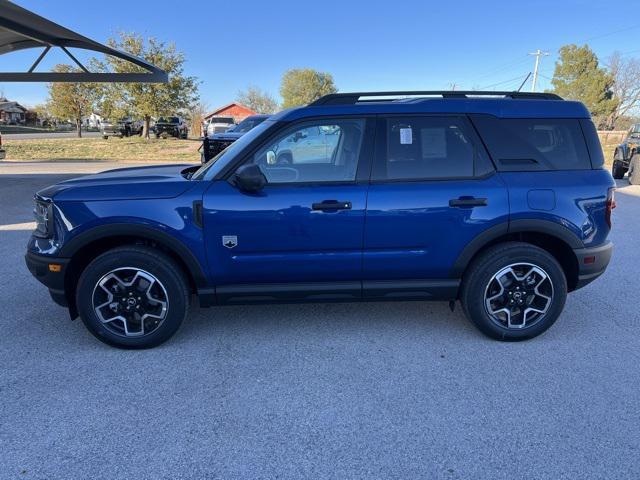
<point>496,199</point>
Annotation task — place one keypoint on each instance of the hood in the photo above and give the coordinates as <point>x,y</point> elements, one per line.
<point>158,181</point>
<point>226,136</point>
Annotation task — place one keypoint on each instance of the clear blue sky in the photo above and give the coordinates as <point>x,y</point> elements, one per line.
<point>366,45</point>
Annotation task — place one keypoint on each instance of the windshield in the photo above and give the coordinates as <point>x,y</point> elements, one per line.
<point>247,124</point>
<point>168,120</point>
<point>221,120</point>
<point>206,172</point>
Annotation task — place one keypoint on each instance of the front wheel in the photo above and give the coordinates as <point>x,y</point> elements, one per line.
<point>133,297</point>
<point>514,291</point>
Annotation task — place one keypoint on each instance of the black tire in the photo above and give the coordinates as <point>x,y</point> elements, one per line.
<point>170,278</point>
<point>617,170</point>
<point>479,277</point>
<point>634,170</point>
<point>105,137</point>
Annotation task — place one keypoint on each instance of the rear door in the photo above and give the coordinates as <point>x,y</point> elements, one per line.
<point>433,190</point>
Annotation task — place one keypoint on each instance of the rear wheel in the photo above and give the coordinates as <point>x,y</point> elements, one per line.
<point>133,297</point>
<point>634,170</point>
<point>514,291</point>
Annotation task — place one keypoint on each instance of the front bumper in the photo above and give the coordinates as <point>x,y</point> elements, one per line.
<point>49,271</point>
<point>592,262</point>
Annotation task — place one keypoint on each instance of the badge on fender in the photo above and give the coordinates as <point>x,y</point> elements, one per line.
<point>229,241</point>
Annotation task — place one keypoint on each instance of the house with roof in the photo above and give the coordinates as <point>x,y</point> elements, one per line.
<point>235,110</point>
<point>12,112</point>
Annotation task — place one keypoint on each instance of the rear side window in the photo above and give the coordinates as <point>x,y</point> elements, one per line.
<point>593,143</point>
<point>426,148</point>
<point>518,144</point>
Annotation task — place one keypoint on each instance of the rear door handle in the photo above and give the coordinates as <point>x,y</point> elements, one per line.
<point>466,202</point>
<point>331,205</point>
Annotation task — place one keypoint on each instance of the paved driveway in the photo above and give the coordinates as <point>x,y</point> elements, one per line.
<point>387,390</point>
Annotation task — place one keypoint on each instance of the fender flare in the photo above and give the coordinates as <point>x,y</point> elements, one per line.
<point>70,248</point>
<point>515,226</point>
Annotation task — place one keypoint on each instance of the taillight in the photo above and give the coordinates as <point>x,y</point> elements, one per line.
<point>611,204</point>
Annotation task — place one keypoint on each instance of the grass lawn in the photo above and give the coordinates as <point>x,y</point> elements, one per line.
<point>133,149</point>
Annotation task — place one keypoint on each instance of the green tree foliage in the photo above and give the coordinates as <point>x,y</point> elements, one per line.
<point>257,100</point>
<point>578,76</point>
<point>72,101</point>
<point>147,100</point>
<point>303,86</point>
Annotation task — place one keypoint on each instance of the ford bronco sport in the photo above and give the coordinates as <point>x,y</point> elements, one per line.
<point>498,200</point>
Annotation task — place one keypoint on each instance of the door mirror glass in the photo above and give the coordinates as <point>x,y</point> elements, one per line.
<point>271,157</point>
<point>250,178</point>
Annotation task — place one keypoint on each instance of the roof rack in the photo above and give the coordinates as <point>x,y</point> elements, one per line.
<point>353,98</point>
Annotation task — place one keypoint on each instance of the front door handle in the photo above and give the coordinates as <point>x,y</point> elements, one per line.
<point>330,205</point>
<point>466,202</point>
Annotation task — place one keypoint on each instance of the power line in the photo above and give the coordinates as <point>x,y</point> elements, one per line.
<point>488,87</point>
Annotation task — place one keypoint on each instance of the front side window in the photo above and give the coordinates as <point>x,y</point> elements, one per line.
<point>424,148</point>
<point>311,152</point>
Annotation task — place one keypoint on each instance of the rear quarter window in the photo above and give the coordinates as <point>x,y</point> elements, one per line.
<point>536,144</point>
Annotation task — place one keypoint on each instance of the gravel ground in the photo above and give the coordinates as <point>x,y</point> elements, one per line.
<point>386,390</point>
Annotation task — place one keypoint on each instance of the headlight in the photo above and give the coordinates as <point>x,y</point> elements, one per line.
<point>43,213</point>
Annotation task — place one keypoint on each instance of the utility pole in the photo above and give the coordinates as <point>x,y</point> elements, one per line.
<point>538,53</point>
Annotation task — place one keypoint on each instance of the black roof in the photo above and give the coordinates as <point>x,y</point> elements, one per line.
<point>21,29</point>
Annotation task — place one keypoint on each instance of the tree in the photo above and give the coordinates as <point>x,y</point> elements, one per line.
<point>257,100</point>
<point>578,76</point>
<point>626,87</point>
<point>303,86</point>
<point>149,100</point>
<point>196,118</point>
<point>43,111</point>
<point>72,101</point>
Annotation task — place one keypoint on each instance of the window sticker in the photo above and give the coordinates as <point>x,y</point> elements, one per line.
<point>434,142</point>
<point>406,136</point>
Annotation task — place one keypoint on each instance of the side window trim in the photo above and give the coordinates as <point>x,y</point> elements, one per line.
<point>480,150</point>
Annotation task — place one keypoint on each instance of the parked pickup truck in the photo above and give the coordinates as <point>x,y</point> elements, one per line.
<point>214,144</point>
<point>125,127</point>
<point>219,125</point>
<point>171,126</point>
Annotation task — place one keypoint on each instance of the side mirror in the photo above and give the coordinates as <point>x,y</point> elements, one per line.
<point>271,157</point>
<point>250,178</point>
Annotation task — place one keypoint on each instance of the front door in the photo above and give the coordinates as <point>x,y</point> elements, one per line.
<point>302,235</point>
<point>433,190</point>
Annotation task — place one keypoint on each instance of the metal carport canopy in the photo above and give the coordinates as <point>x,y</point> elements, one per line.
<point>21,29</point>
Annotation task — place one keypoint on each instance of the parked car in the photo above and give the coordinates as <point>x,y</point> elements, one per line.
<point>214,144</point>
<point>626,157</point>
<point>171,126</point>
<point>125,127</point>
<point>500,202</point>
<point>219,125</point>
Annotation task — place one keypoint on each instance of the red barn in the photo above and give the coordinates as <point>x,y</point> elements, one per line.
<point>235,110</point>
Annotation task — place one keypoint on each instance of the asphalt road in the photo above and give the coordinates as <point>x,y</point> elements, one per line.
<point>387,390</point>
<point>44,135</point>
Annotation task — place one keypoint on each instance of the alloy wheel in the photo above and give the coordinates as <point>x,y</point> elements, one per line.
<point>518,296</point>
<point>130,302</point>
